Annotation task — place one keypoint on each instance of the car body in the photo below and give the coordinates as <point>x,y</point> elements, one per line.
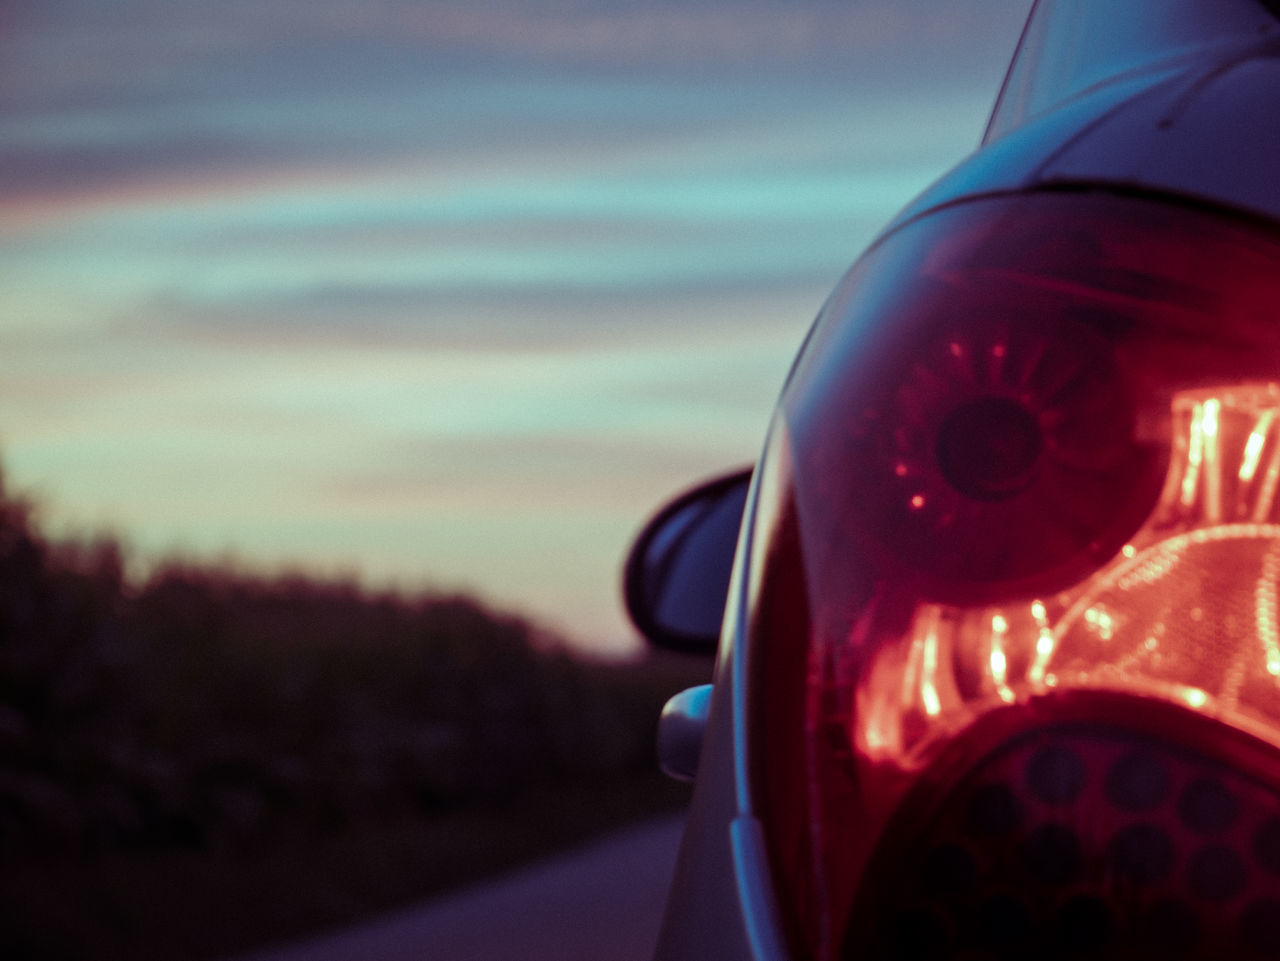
<point>997,673</point>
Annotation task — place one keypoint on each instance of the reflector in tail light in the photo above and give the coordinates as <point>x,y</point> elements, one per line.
<point>1014,632</point>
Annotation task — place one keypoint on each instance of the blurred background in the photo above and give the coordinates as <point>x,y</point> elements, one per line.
<point>343,348</point>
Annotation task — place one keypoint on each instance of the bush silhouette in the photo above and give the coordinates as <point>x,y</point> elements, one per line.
<point>206,707</point>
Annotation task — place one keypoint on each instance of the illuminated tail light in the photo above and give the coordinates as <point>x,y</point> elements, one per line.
<point>1014,628</point>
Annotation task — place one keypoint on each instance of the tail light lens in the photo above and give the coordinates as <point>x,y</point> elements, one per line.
<point>1014,629</point>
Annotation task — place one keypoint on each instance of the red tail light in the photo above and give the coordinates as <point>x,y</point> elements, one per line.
<point>1014,628</point>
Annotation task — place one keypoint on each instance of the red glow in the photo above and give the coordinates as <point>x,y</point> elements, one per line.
<point>1033,450</point>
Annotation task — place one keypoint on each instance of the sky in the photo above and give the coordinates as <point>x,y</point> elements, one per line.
<point>440,295</point>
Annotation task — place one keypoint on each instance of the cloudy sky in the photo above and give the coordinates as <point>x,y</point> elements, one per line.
<point>442,294</point>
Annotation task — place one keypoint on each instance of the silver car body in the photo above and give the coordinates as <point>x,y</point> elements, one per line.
<point>1180,97</point>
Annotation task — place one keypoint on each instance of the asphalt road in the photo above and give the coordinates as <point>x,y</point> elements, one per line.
<point>601,903</point>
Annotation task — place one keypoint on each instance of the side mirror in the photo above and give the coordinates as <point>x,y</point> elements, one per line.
<point>676,580</point>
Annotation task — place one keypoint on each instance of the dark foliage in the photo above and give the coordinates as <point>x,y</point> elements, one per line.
<point>207,709</point>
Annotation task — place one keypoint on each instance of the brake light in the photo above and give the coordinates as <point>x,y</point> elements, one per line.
<point>1014,624</point>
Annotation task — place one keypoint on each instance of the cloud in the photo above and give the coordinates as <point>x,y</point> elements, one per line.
<point>95,100</point>
<point>440,289</point>
<point>164,35</point>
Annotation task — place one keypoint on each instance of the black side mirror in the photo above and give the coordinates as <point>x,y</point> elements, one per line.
<point>676,580</point>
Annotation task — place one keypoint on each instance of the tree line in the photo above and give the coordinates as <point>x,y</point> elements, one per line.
<point>203,706</point>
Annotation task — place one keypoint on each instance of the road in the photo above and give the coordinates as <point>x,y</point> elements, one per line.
<point>601,903</point>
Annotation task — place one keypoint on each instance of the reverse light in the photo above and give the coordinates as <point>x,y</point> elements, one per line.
<point>1014,621</point>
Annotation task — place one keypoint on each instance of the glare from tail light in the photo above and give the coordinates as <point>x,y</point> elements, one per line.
<point>1025,520</point>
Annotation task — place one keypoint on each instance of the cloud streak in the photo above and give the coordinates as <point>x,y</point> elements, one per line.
<point>440,291</point>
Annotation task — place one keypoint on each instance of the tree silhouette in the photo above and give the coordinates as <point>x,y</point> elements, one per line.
<point>206,706</point>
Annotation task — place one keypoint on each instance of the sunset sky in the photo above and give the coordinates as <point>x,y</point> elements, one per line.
<point>445,294</point>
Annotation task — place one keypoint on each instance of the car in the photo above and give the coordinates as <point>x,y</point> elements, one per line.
<point>996,614</point>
